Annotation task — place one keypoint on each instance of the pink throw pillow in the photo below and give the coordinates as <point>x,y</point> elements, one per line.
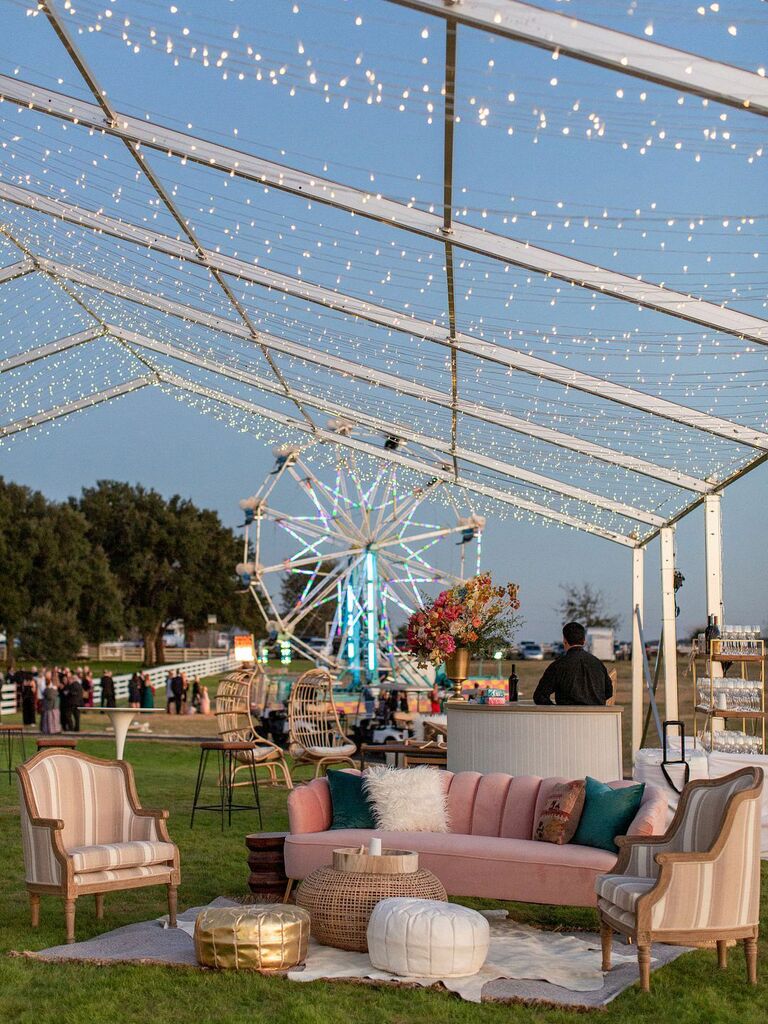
<point>560,815</point>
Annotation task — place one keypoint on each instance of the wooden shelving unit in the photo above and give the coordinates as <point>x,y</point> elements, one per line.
<point>751,669</point>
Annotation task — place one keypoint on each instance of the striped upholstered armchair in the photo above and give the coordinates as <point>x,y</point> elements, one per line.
<point>84,831</point>
<point>700,882</point>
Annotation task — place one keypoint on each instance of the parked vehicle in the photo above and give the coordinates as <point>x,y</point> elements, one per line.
<point>530,651</point>
<point>600,642</point>
<point>623,650</point>
<point>558,650</point>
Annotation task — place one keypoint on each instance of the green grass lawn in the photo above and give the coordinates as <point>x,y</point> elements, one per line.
<point>690,991</point>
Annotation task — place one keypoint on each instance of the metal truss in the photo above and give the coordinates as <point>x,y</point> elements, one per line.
<point>50,11</point>
<point>511,358</point>
<point>348,368</point>
<point>376,207</point>
<point>387,427</point>
<point>66,409</point>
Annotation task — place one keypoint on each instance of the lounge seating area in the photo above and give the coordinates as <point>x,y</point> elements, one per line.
<point>82,818</point>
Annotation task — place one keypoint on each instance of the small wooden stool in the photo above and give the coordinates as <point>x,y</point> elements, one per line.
<point>9,734</point>
<point>227,751</point>
<point>60,742</point>
<point>266,860</point>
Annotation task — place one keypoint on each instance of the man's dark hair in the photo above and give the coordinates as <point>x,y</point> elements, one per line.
<point>574,633</point>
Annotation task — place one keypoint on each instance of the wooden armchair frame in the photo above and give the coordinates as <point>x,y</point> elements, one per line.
<point>67,887</point>
<point>316,735</point>
<point>233,717</point>
<point>644,856</point>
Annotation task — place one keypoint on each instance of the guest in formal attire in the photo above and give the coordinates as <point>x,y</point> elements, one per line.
<point>577,677</point>
<point>177,689</point>
<point>134,691</point>
<point>65,703</point>
<point>28,698</point>
<point>169,692</point>
<point>86,680</point>
<point>75,688</point>
<point>147,692</point>
<point>196,695</point>
<point>50,720</point>
<point>205,701</point>
<point>107,690</point>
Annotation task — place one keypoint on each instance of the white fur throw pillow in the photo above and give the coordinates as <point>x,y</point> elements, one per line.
<point>407,799</point>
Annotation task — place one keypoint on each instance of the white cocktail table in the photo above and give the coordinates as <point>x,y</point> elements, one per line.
<point>121,719</point>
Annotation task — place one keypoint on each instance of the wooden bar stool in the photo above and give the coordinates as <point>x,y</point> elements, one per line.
<point>57,743</point>
<point>226,751</point>
<point>10,734</point>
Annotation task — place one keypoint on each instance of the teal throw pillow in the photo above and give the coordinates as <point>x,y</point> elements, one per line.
<point>351,808</point>
<point>607,813</point>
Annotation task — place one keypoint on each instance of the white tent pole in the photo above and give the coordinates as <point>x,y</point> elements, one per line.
<point>713,554</point>
<point>669,624</point>
<point>638,580</point>
<point>713,563</point>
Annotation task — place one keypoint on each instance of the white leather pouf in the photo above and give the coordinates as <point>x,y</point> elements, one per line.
<point>427,938</point>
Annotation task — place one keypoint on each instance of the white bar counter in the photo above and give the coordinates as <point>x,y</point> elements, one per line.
<point>532,739</point>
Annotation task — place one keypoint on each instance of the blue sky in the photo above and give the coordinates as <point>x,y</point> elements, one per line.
<point>700,227</point>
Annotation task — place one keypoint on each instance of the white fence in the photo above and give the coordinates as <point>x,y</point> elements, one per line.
<point>194,669</point>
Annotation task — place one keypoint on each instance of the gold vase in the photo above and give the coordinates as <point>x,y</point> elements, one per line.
<point>457,670</point>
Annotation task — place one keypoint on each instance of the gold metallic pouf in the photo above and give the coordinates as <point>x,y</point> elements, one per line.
<point>341,902</point>
<point>257,937</point>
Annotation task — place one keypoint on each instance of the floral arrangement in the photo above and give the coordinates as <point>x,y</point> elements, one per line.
<point>475,614</point>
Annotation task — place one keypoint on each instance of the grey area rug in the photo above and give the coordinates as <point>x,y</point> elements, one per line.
<point>153,943</point>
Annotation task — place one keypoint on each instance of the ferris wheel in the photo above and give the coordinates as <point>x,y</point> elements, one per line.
<point>360,542</point>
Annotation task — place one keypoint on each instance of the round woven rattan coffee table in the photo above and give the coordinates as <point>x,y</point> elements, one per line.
<point>340,899</point>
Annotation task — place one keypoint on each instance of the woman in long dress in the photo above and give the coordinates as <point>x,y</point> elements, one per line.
<point>50,720</point>
<point>205,701</point>
<point>147,692</point>
<point>28,699</point>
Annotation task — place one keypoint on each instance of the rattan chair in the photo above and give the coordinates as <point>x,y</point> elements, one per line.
<point>697,883</point>
<point>233,716</point>
<point>316,735</point>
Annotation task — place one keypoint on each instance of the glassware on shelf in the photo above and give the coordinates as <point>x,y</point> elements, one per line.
<point>732,741</point>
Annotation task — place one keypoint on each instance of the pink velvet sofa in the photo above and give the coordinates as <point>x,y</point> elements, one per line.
<point>489,850</point>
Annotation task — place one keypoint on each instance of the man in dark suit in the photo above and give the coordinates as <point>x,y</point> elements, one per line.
<point>107,690</point>
<point>177,689</point>
<point>577,677</point>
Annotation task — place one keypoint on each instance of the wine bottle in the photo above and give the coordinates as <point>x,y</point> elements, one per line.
<point>712,632</point>
<point>514,684</point>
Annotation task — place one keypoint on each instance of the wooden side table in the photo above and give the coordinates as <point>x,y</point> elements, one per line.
<point>267,878</point>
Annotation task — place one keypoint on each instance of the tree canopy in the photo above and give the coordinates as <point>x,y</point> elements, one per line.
<point>172,560</point>
<point>58,589</point>
<point>586,605</point>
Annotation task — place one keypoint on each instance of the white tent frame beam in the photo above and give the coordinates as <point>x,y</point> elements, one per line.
<point>16,270</point>
<point>398,215</point>
<point>53,348</point>
<point>608,48</point>
<point>349,368</point>
<point>87,402</point>
<point>388,427</point>
<point>511,358</point>
<point>366,448</point>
